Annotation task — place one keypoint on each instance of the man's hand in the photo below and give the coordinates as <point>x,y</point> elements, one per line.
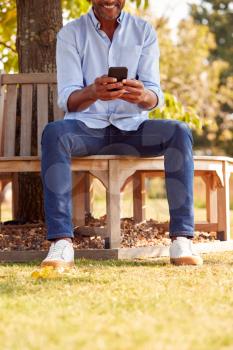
<point>136,93</point>
<point>103,86</point>
<point>102,89</point>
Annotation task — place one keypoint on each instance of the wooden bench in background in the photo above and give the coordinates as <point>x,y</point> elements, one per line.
<point>113,171</point>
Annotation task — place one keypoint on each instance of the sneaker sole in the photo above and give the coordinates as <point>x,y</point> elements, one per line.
<point>57,264</point>
<point>187,260</point>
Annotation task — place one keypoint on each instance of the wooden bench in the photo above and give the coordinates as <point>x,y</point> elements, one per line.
<point>112,171</point>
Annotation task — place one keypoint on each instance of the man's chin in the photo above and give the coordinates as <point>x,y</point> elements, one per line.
<point>108,16</point>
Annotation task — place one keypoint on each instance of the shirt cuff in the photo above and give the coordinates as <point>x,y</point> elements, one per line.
<point>158,92</point>
<point>64,96</point>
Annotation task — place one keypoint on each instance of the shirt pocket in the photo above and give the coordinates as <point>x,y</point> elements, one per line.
<point>129,57</point>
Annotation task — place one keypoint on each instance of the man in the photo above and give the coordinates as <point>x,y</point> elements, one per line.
<point>104,116</point>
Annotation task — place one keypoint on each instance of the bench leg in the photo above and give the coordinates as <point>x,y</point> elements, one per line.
<point>89,195</point>
<point>211,205</point>
<point>78,197</point>
<point>113,207</point>
<point>1,200</point>
<point>224,207</point>
<point>15,194</point>
<point>211,200</point>
<point>139,197</point>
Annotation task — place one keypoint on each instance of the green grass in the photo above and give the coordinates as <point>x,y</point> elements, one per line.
<point>120,305</point>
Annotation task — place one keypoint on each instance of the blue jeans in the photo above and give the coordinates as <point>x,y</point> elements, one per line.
<point>66,138</point>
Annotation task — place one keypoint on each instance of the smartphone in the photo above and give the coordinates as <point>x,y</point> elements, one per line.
<point>118,72</point>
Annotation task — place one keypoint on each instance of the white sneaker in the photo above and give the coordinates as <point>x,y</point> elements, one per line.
<point>61,254</point>
<point>182,252</point>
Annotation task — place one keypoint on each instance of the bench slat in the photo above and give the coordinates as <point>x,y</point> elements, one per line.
<point>22,165</point>
<point>26,120</point>
<point>2,98</point>
<point>10,121</point>
<point>42,112</point>
<point>57,112</point>
<point>29,78</point>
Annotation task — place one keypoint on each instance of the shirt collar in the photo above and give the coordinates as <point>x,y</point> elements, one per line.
<point>96,21</point>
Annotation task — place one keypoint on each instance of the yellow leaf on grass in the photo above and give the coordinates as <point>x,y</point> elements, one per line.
<point>49,272</point>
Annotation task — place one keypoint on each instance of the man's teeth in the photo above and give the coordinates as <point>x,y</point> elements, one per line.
<point>109,6</point>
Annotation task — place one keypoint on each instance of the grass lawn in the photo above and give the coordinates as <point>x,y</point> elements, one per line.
<point>116,305</point>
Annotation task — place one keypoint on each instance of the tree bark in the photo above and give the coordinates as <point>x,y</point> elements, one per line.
<point>38,21</point>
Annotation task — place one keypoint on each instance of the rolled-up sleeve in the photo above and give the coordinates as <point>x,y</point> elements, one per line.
<point>148,67</point>
<point>69,71</point>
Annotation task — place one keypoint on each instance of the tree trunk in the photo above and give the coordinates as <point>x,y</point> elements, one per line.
<point>38,21</point>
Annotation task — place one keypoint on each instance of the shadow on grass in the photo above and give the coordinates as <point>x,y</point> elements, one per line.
<point>217,259</point>
<point>98,263</point>
<point>18,280</point>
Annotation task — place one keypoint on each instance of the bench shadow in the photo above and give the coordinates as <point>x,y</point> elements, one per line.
<point>148,262</point>
<point>137,262</point>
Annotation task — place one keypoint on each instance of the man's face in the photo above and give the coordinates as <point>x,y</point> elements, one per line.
<point>108,9</point>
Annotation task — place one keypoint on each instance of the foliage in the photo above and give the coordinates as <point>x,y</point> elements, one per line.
<point>74,8</point>
<point>218,15</point>
<point>174,109</point>
<point>8,54</point>
<point>141,3</point>
<point>186,70</point>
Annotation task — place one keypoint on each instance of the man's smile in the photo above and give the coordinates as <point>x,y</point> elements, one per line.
<point>109,6</point>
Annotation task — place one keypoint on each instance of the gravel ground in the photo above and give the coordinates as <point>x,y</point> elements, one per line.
<point>147,233</point>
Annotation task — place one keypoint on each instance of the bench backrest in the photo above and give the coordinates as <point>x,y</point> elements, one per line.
<point>24,96</point>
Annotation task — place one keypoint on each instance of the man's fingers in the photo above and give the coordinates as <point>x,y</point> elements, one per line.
<point>105,80</point>
<point>132,82</point>
<point>114,86</point>
<point>129,98</point>
<point>133,90</point>
<point>108,95</point>
<point>108,90</point>
<point>116,93</point>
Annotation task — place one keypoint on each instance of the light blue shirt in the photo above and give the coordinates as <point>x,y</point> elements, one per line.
<point>84,52</point>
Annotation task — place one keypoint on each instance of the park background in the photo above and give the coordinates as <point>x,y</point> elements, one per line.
<point>196,63</point>
<point>143,304</point>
